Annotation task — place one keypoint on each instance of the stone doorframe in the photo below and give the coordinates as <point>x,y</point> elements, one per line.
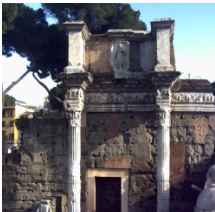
<point>91,186</point>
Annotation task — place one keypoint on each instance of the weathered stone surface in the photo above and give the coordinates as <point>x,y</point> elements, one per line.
<point>193,128</point>
<point>120,134</point>
<point>117,161</point>
<point>143,187</point>
<point>119,56</point>
<point>211,122</point>
<point>209,149</point>
<point>177,162</point>
<point>41,169</point>
<point>117,136</point>
<point>97,56</point>
<point>148,55</point>
<point>125,141</point>
<point>201,130</point>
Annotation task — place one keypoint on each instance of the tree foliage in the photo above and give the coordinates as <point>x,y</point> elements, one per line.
<point>9,13</point>
<point>43,45</point>
<point>58,91</point>
<point>98,17</point>
<point>9,100</point>
<point>27,32</point>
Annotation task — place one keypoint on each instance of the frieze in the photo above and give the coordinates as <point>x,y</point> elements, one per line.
<point>206,98</point>
<point>120,98</point>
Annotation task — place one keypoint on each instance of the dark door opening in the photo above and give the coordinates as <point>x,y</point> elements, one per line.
<point>108,194</point>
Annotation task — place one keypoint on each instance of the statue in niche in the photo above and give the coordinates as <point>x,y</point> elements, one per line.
<point>119,56</point>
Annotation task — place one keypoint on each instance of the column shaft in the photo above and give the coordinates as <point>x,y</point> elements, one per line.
<point>163,161</point>
<point>74,169</point>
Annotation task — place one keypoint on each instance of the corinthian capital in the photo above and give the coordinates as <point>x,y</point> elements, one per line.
<point>163,93</point>
<point>74,118</point>
<point>163,117</point>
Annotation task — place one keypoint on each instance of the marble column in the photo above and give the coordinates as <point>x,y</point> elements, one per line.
<point>75,79</point>
<point>76,85</point>
<point>74,161</point>
<point>163,158</point>
<point>162,82</point>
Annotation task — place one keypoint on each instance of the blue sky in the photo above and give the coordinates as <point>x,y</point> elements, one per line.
<point>194,23</point>
<point>194,37</point>
<point>194,43</point>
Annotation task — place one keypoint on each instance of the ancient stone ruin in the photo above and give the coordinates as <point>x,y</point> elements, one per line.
<point>136,136</point>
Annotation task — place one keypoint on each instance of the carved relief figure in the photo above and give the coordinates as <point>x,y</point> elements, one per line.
<point>119,56</point>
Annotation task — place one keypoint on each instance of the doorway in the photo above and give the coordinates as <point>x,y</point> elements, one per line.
<point>108,194</point>
<point>107,190</point>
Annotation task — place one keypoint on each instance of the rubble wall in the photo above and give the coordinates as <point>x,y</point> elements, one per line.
<point>110,141</point>
<point>125,141</point>
<point>192,153</point>
<point>38,170</point>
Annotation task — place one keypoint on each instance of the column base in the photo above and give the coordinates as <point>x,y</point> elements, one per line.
<point>162,205</point>
<point>71,69</point>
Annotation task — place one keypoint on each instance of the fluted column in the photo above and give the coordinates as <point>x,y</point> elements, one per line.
<point>75,97</point>
<point>162,82</point>
<point>163,158</point>
<point>74,161</point>
<point>75,80</point>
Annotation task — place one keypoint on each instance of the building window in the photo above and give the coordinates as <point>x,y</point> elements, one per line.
<point>10,113</point>
<point>4,113</point>
<point>11,137</point>
<point>3,135</point>
<point>11,124</point>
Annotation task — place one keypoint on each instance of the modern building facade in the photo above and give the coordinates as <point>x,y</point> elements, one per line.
<point>10,133</point>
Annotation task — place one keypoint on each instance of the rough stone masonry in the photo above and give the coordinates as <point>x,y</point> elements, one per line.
<point>133,125</point>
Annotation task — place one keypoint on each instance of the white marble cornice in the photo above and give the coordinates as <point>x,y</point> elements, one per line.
<point>208,108</point>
